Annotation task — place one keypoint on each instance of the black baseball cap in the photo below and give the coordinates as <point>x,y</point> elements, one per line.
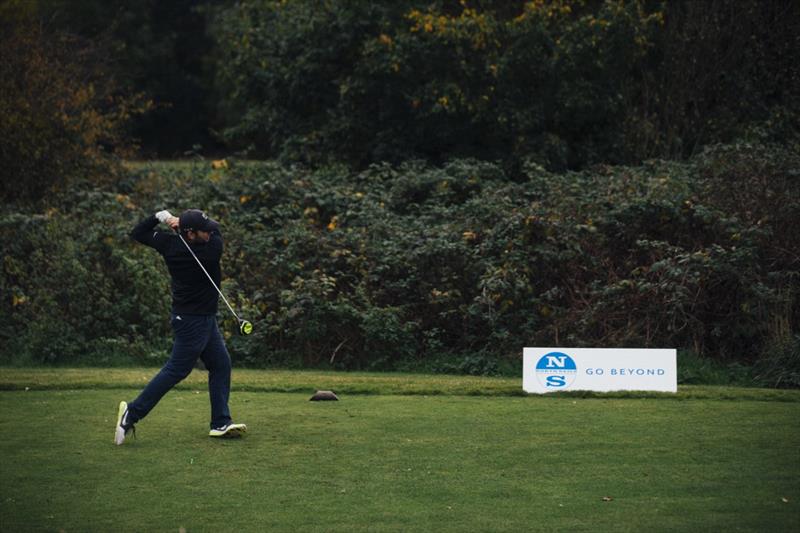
<point>195,220</point>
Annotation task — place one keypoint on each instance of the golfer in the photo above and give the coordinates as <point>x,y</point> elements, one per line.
<point>193,319</point>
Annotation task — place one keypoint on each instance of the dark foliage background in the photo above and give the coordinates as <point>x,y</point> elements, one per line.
<point>565,83</point>
<point>442,182</point>
<point>449,268</point>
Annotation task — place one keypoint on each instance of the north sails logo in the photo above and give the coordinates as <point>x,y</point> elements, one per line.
<point>556,370</point>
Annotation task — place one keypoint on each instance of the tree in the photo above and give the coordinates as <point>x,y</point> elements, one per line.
<point>60,118</point>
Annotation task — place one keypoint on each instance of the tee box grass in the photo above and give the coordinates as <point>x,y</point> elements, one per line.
<point>396,460</point>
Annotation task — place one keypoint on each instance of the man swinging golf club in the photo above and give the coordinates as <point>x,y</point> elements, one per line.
<point>192,252</point>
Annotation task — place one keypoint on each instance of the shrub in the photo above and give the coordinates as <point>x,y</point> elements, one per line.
<point>779,366</point>
<point>74,285</point>
<point>450,268</point>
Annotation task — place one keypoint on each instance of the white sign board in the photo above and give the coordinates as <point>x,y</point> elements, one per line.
<point>599,369</point>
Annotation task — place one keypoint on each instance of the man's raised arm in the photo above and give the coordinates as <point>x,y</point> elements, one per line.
<point>145,232</point>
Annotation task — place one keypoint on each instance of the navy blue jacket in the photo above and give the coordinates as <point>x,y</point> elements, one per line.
<point>192,293</point>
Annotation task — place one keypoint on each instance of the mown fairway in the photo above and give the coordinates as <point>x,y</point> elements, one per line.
<point>390,462</point>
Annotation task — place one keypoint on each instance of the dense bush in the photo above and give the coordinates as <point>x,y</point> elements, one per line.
<point>450,268</point>
<point>75,290</point>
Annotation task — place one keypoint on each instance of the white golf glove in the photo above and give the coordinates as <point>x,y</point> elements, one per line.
<point>163,216</point>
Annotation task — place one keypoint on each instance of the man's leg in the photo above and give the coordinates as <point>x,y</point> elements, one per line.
<point>218,362</point>
<point>190,336</point>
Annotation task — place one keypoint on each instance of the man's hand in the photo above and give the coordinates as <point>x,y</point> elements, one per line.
<point>165,217</point>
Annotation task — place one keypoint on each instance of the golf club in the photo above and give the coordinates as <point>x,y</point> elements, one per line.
<point>245,327</point>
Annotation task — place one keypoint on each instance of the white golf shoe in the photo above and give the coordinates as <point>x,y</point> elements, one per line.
<point>228,431</point>
<point>124,428</point>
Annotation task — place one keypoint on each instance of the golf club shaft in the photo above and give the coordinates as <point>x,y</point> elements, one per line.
<point>209,277</point>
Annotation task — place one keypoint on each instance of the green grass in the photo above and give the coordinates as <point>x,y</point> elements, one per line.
<point>49,378</point>
<point>397,453</point>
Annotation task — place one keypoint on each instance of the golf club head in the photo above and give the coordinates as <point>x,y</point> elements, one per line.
<point>245,327</point>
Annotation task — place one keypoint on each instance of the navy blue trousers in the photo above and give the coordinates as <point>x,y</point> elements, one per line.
<point>195,336</point>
